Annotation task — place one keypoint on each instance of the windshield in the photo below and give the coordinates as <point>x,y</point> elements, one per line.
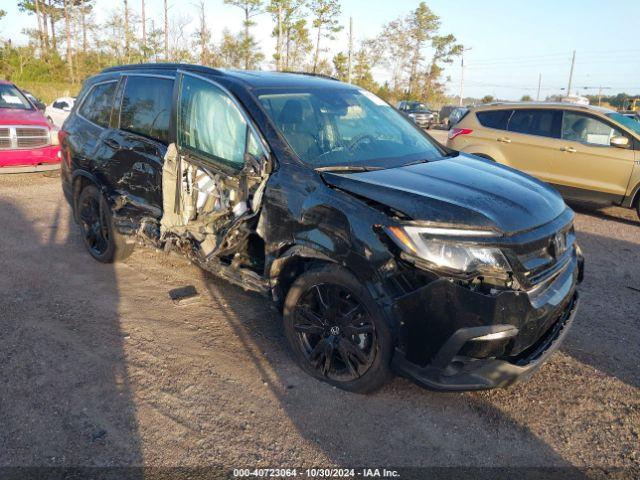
<point>627,122</point>
<point>346,127</point>
<point>417,106</point>
<point>11,97</point>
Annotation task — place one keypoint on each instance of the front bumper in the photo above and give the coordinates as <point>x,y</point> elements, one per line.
<point>452,338</point>
<point>37,159</point>
<point>422,120</point>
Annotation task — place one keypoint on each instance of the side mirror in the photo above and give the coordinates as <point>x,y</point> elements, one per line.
<point>66,109</point>
<point>619,142</point>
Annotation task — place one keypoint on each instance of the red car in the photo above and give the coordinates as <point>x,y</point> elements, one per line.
<point>28,142</point>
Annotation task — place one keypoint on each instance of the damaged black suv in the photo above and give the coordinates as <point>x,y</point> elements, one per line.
<point>385,250</point>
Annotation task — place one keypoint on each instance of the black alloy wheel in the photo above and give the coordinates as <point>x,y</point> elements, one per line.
<point>95,224</point>
<point>102,240</point>
<point>336,330</point>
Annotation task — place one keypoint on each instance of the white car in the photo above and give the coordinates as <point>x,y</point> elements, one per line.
<point>59,110</point>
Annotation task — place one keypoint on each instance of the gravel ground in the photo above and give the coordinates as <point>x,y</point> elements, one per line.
<point>99,368</point>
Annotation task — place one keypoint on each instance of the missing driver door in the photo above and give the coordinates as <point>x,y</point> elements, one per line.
<point>217,172</point>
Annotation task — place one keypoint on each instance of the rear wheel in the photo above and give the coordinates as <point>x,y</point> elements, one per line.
<point>638,207</point>
<point>336,331</point>
<point>100,237</point>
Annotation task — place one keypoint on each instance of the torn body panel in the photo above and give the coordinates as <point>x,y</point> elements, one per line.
<point>211,217</point>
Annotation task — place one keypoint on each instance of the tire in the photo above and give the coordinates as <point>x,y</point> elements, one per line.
<point>329,314</point>
<point>102,240</point>
<point>638,207</point>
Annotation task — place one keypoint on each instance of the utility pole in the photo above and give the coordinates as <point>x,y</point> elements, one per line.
<point>166,31</point>
<point>144,30</point>
<point>279,44</point>
<point>539,87</point>
<point>126,29</point>
<point>573,63</point>
<point>462,73</point>
<point>350,69</point>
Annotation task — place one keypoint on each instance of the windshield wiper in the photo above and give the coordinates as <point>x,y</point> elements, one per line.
<point>346,168</point>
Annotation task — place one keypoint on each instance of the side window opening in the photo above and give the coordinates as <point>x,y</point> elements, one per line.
<point>494,118</point>
<point>578,127</point>
<point>146,107</point>
<point>98,103</point>
<point>210,124</point>
<point>540,122</point>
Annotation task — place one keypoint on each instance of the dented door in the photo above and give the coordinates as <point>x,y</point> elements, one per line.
<point>139,144</point>
<point>213,184</point>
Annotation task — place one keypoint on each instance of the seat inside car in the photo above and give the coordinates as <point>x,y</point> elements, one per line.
<point>292,124</point>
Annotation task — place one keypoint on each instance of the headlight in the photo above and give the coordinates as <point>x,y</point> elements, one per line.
<point>438,253</point>
<point>53,136</point>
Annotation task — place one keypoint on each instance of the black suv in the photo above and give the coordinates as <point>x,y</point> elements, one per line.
<point>384,249</point>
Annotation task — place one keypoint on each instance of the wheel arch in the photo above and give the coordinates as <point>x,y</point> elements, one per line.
<point>290,264</point>
<point>633,199</point>
<point>79,181</point>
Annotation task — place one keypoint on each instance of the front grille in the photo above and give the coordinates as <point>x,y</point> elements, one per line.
<point>33,142</point>
<point>23,137</point>
<point>541,259</point>
<point>422,118</point>
<point>31,131</point>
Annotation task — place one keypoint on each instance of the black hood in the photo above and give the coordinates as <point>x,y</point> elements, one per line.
<point>464,190</point>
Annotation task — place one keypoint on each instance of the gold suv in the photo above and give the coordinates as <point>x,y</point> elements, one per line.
<point>588,153</point>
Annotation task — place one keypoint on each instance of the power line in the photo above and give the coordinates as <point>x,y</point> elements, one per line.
<point>551,55</point>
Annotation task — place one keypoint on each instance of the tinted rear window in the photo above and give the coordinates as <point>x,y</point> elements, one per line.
<point>545,123</point>
<point>146,107</point>
<point>97,106</point>
<point>494,118</point>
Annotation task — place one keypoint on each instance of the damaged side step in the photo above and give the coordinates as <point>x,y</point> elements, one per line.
<point>245,279</point>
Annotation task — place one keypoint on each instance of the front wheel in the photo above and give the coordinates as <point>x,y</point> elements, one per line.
<point>336,330</point>
<point>102,240</point>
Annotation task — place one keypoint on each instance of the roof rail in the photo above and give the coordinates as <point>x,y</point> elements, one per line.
<point>163,66</point>
<point>311,74</point>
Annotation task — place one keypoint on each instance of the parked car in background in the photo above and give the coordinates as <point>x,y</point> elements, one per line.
<point>633,115</point>
<point>35,101</point>
<point>28,142</point>
<point>59,110</point>
<point>419,113</point>
<point>457,115</point>
<point>382,247</point>
<point>588,153</point>
<point>445,113</point>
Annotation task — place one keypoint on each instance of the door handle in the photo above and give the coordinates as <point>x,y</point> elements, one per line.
<point>504,140</point>
<point>568,149</point>
<point>111,143</point>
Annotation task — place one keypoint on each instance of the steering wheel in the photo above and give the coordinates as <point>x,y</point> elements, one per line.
<point>358,139</point>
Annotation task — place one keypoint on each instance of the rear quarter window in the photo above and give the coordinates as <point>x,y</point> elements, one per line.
<point>494,118</point>
<point>97,106</point>
<point>540,122</point>
<point>146,107</point>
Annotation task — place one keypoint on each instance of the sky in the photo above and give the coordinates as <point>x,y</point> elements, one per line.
<point>510,43</point>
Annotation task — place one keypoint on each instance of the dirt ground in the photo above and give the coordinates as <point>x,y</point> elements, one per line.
<point>100,368</point>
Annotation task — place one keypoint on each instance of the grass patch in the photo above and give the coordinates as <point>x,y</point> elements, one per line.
<point>49,91</point>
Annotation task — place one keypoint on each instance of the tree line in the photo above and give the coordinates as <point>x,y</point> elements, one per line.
<point>68,44</point>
